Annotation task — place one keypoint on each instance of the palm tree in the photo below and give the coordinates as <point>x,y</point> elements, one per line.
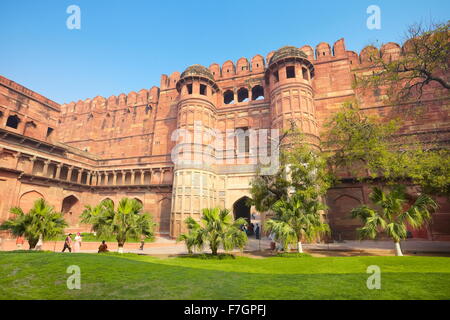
<point>41,222</point>
<point>128,222</point>
<point>297,218</point>
<point>391,215</point>
<point>216,228</point>
<point>191,237</point>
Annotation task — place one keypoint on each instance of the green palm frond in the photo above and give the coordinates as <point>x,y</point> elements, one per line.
<point>392,217</point>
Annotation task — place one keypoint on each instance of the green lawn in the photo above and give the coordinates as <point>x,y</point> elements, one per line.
<point>42,275</point>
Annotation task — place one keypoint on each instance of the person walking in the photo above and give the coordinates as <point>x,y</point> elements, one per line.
<point>142,243</point>
<point>68,243</point>
<point>77,245</point>
<point>257,232</point>
<point>19,242</point>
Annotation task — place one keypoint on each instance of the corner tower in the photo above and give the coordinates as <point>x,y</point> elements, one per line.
<point>194,178</point>
<point>289,77</point>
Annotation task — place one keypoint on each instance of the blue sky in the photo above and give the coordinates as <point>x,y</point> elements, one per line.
<point>125,46</point>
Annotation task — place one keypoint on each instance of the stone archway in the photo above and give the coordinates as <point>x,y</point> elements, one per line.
<point>71,209</point>
<point>241,209</point>
<point>27,200</point>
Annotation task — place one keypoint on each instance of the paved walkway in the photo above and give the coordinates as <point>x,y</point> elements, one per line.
<point>164,246</point>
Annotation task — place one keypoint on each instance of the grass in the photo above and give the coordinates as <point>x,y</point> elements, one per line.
<point>42,275</point>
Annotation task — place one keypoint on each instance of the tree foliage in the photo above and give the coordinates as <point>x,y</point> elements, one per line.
<point>391,216</point>
<point>40,221</point>
<point>425,60</point>
<point>297,218</point>
<point>368,147</point>
<point>302,168</point>
<point>126,222</point>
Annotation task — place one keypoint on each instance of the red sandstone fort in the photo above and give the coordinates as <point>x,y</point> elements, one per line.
<point>120,146</point>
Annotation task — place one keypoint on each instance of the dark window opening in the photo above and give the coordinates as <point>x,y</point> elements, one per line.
<point>1,114</point>
<point>243,139</point>
<point>323,53</point>
<point>305,73</point>
<point>49,131</point>
<point>242,95</point>
<point>276,76</point>
<point>257,93</point>
<point>202,89</point>
<point>228,97</point>
<point>13,122</point>
<point>189,88</point>
<point>290,72</point>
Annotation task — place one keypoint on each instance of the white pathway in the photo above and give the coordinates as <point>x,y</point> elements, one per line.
<point>254,245</point>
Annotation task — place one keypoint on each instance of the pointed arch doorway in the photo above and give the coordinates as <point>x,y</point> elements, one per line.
<point>241,209</point>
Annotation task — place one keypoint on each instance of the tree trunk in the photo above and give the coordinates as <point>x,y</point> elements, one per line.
<point>40,243</point>
<point>120,245</point>
<point>32,243</point>
<point>398,250</point>
<point>299,247</point>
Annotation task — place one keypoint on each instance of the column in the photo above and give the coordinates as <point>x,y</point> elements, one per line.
<point>142,176</point>
<point>161,175</point>
<point>132,177</point>
<point>88,178</point>
<point>69,173</point>
<point>80,174</point>
<point>58,170</point>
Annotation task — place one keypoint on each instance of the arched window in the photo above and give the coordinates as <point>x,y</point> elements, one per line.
<point>13,122</point>
<point>290,72</point>
<point>203,89</point>
<point>242,95</point>
<point>305,73</point>
<point>257,93</point>
<point>228,97</point>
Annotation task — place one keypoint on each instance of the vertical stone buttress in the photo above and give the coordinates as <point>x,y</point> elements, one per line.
<point>194,178</point>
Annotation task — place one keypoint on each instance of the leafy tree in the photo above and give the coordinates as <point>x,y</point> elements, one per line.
<point>303,169</point>
<point>391,215</point>
<point>191,238</point>
<point>370,148</point>
<point>216,228</point>
<point>297,219</point>
<point>40,222</point>
<point>127,222</point>
<point>425,60</point>
<point>357,141</point>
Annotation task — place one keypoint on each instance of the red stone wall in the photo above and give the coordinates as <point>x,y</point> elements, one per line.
<point>130,132</point>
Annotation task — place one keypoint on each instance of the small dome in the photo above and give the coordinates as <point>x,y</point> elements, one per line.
<point>287,52</point>
<point>197,71</point>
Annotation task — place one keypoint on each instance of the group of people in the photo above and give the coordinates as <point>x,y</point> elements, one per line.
<point>76,243</point>
<point>251,230</point>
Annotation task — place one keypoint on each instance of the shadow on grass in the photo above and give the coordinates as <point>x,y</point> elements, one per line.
<point>208,256</point>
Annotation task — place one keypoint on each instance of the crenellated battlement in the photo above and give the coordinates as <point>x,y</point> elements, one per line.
<point>323,52</point>
<point>100,104</point>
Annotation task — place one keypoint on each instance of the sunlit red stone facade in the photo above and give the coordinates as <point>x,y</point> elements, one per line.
<point>83,152</point>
